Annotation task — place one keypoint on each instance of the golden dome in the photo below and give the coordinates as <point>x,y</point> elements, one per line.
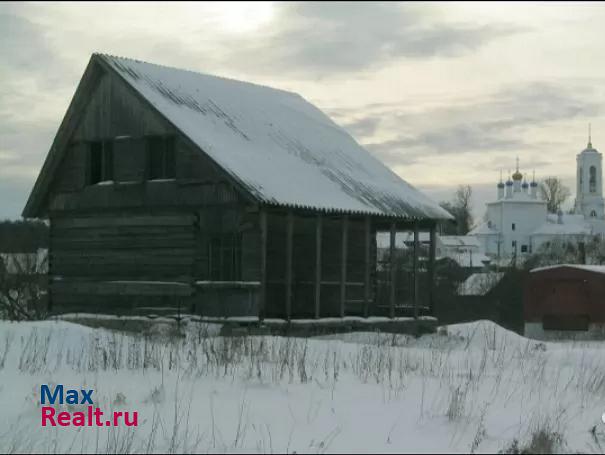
<point>517,175</point>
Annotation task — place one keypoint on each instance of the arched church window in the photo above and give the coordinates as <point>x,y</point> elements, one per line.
<point>580,173</point>
<point>592,182</point>
<point>593,214</point>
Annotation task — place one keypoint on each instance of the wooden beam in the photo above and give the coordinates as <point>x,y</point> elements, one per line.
<point>392,270</point>
<point>318,235</point>
<point>366,293</point>
<point>289,235</point>
<point>432,251</point>
<point>120,288</point>
<point>262,306</point>
<point>49,268</point>
<point>343,264</point>
<point>415,269</point>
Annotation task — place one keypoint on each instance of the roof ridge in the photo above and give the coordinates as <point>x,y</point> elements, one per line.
<point>199,73</point>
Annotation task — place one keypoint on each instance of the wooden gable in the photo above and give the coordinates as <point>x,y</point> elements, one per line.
<point>106,108</point>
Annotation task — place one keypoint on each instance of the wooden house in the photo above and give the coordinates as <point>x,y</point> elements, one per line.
<point>167,188</point>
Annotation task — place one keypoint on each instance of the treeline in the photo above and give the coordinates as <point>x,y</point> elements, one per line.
<point>22,236</point>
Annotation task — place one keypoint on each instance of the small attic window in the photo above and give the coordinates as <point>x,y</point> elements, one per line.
<point>160,158</point>
<point>100,162</point>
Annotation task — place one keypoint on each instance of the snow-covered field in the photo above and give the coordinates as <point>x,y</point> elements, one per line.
<point>475,388</point>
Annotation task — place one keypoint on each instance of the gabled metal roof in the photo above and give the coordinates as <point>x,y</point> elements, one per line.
<point>281,149</point>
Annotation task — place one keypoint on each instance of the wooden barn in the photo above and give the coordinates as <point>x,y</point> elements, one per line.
<point>168,189</point>
<point>565,301</point>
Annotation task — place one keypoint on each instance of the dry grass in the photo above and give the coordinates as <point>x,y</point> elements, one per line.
<point>457,377</point>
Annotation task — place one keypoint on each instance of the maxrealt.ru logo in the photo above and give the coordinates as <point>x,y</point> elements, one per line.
<point>53,397</point>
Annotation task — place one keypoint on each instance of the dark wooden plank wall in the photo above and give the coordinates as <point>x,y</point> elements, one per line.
<point>135,230</point>
<point>145,247</point>
<point>304,266</point>
<point>229,220</point>
<point>114,112</point>
<point>139,230</point>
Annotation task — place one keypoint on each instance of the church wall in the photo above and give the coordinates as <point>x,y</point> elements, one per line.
<point>527,217</point>
<point>540,239</point>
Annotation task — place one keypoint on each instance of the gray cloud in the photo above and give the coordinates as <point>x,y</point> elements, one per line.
<point>461,138</point>
<point>22,43</point>
<point>33,76</point>
<point>492,125</point>
<point>324,38</point>
<point>362,127</point>
<point>27,51</point>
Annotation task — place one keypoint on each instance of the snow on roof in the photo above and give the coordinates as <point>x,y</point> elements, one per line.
<point>483,229</point>
<point>459,241</point>
<point>25,263</point>
<point>597,225</point>
<point>571,225</point>
<point>480,283</point>
<point>281,148</point>
<point>589,268</point>
<point>469,259</point>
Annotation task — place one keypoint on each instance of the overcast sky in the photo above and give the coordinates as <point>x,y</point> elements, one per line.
<point>443,93</point>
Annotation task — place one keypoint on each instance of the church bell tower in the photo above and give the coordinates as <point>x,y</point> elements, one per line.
<point>589,182</point>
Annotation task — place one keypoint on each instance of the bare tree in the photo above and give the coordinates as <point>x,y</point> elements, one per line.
<point>22,286</point>
<point>460,208</point>
<point>554,192</point>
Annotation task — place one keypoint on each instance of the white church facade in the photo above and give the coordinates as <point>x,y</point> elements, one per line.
<point>517,222</point>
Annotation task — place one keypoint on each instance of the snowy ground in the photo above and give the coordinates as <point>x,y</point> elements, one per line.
<point>475,388</point>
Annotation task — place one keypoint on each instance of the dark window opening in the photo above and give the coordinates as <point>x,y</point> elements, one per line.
<point>513,226</point>
<point>161,158</point>
<point>593,214</point>
<point>592,181</point>
<point>101,161</point>
<point>523,248</point>
<point>225,258</point>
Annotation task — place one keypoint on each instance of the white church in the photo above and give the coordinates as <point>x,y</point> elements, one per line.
<point>517,222</point>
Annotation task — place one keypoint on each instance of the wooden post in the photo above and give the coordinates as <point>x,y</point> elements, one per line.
<point>262,307</point>
<point>433,248</point>
<point>289,235</point>
<point>366,293</point>
<point>49,267</point>
<point>343,264</point>
<point>415,269</point>
<point>318,234</point>
<point>392,270</point>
